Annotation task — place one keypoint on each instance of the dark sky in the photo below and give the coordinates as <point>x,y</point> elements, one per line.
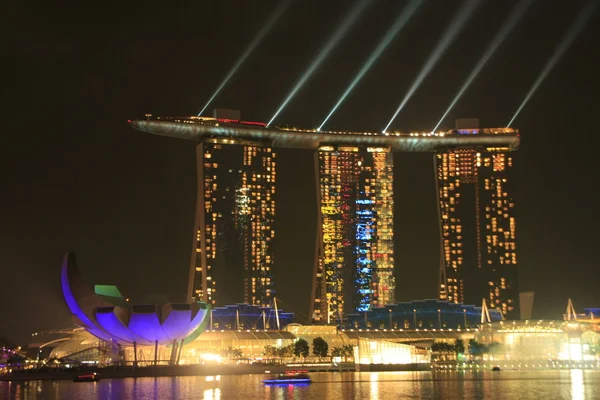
<point>76,177</point>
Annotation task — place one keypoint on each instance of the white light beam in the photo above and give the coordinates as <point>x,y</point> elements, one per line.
<point>350,18</point>
<point>456,25</point>
<point>517,12</point>
<point>582,18</point>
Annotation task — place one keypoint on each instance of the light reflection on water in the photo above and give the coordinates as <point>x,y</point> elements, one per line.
<point>546,385</point>
<point>577,385</point>
<point>374,386</point>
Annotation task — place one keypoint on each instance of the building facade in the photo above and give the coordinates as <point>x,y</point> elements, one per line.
<point>232,260</point>
<point>355,250</point>
<point>477,227</point>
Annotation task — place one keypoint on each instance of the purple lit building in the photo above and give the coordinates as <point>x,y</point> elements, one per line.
<point>106,314</point>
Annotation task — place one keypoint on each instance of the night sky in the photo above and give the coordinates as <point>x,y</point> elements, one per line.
<point>76,177</point>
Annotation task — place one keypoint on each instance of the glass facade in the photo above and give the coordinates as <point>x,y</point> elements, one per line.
<point>234,231</point>
<point>477,226</point>
<point>541,343</point>
<point>355,249</point>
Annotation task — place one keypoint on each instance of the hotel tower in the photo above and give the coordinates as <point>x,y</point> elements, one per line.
<point>477,227</point>
<point>354,263</point>
<point>232,260</point>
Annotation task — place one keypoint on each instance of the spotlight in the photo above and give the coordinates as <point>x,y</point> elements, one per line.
<point>396,27</point>
<point>584,15</point>
<point>350,18</point>
<point>514,17</point>
<point>283,5</point>
<point>456,25</point>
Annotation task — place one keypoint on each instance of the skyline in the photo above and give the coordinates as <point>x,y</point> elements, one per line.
<point>86,182</point>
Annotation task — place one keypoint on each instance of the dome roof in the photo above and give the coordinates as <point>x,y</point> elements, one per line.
<point>104,313</point>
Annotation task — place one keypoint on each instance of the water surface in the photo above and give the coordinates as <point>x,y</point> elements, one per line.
<point>539,385</point>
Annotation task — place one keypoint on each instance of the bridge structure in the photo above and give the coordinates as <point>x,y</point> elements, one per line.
<point>354,261</point>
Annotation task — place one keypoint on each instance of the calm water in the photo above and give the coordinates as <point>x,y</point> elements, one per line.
<point>538,385</point>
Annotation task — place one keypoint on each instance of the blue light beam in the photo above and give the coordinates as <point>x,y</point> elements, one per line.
<point>456,25</point>
<point>517,12</point>
<point>275,14</point>
<point>348,21</point>
<point>582,18</point>
<point>396,27</point>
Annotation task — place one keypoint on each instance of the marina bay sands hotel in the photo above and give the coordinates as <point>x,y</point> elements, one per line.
<point>353,271</point>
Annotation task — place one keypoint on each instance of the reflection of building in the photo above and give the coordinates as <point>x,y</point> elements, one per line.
<point>233,246</point>
<point>477,226</point>
<point>420,314</point>
<point>355,261</point>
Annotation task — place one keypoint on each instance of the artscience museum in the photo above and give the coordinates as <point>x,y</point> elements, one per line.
<point>103,312</point>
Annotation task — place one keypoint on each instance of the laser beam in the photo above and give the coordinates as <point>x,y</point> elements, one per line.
<point>454,28</point>
<point>517,12</point>
<point>582,18</point>
<point>273,17</point>
<point>348,21</point>
<point>396,27</point>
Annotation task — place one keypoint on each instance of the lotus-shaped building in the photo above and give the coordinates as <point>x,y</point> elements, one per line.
<point>102,311</point>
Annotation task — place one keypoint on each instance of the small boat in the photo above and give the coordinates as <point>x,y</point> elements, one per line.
<point>93,377</point>
<point>289,377</point>
<point>496,369</point>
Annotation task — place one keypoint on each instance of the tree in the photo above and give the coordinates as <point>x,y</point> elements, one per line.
<point>593,349</point>
<point>444,351</point>
<point>336,352</point>
<point>344,351</point>
<point>231,352</point>
<point>320,347</point>
<point>494,348</point>
<point>15,358</point>
<point>301,348</point>
<point>271,351</point>
<point>348,351</point>
<point>476,348</point>
<point>442,347</point>
<point>286,351</point>
<point>459,346</point>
